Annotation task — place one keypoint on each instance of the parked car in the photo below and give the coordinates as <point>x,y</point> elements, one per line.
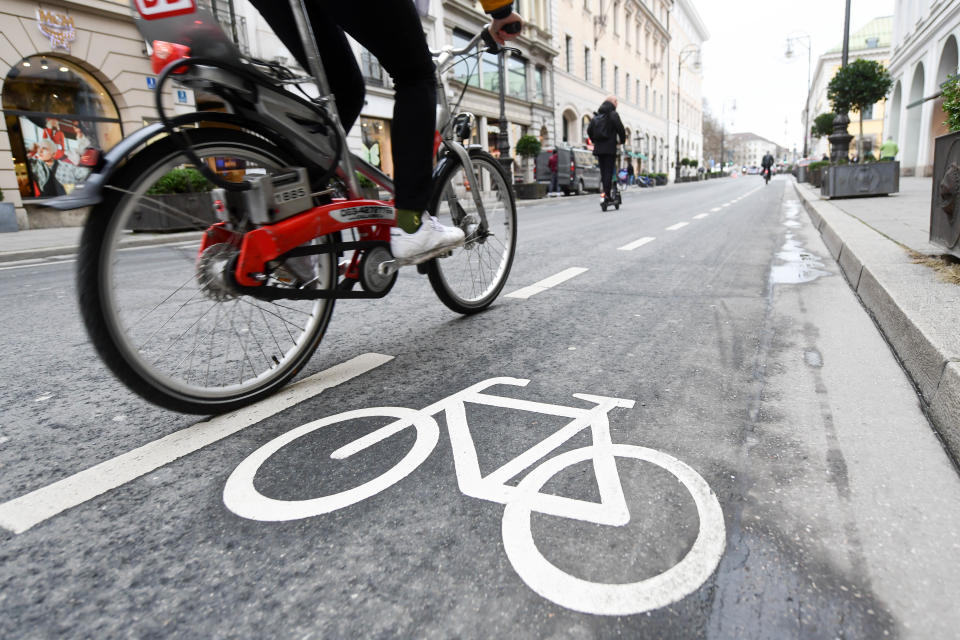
<point>577,169</point>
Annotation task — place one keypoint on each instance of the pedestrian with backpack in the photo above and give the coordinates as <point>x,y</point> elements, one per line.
<point>606,131</point>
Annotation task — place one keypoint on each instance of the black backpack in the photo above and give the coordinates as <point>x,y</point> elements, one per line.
<point>601,128</point>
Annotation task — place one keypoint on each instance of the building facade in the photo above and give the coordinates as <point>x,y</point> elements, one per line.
<point>616,47</point>
<point>75,76</point>
<point>748,149</point>
<point>924,55</point>
<point>872,42</point>
<point>686,111</point>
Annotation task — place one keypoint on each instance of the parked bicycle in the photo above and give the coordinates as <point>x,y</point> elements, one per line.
<point>214,324</point>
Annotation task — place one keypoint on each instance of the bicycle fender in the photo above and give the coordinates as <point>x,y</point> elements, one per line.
<point>89,192</point>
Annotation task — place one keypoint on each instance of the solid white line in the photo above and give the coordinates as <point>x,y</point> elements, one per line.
<point>41,263</point>
<point>679,225</point>
<point>700,216</point>
<point>546,283</point>
<point>636,243</point>
<point>21,513</point>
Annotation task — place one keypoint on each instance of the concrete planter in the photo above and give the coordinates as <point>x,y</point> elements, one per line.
<point>173,212</point>
<point>8,217</point>
<point>861,180</point>
<point>945,199</point>
<point>530,190</point>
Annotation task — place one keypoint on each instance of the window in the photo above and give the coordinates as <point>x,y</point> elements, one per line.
<point>491,72</point>
<point>603,72</point>
<point>55,111</point>
<point>646,46</point>
<point>868,113</point>
<point>539,74</point>
<point>654,99</point>
<point>569,41</point>
<point>616,80</point>
<point>637,94</point>
<point>616,18</point>
<point>626,28</point>
<point>370,68</point>
<point>586,64</point>
<point>465,71</point>
<point>646,97</point>
<point>626,88</point>
<point>517,77</point>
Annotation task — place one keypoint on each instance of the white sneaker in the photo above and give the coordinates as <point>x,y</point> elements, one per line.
<point>424,241</point>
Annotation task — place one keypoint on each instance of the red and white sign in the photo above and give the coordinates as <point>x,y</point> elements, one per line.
<point>154,9</point>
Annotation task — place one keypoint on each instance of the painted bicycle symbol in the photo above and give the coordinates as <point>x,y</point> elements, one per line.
<point>241,496</point>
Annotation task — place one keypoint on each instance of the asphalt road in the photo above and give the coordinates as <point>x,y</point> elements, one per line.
<point>765,472</point>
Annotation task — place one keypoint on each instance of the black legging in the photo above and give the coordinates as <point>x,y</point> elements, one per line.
<point>606,162</point>
<point>391,31</point>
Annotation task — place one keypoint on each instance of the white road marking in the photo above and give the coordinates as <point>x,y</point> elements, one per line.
<point>700,216</point>
<point>546,283</point>
<point>679,225</point>
<point>726,204</point>
<point>21,513</point>
<point>39,263</point>
<point>715,209</point>
<point>636,243</point>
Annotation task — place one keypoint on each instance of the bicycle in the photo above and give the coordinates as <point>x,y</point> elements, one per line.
<point>241,496</point>
<point>286,230</point>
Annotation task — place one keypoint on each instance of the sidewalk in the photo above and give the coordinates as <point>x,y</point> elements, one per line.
<point>35,244</point>
<point>916,311</point>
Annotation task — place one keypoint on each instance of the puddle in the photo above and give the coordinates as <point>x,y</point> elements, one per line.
<point>799,265</point>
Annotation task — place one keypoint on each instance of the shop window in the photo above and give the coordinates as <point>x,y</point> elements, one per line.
<point>517,77</point>
<point>57,117</point>
<point>377,148</point>
<point>465,70</point>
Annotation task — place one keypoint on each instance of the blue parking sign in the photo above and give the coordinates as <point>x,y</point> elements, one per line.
<point>181,96</point>
<point>151,82</point>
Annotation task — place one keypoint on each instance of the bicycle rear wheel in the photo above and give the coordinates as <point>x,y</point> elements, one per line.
<point>165,317</point>
<point>472,277</point>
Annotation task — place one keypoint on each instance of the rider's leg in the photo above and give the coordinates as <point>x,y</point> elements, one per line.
<point>391,30</point>
<point>606,162</point>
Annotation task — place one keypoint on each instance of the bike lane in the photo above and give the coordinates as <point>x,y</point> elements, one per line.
<point>422,557</point>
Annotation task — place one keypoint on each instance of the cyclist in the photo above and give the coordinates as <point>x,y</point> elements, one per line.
<point>766,163</point>
<point>606,131</point>
<point>391,31</point>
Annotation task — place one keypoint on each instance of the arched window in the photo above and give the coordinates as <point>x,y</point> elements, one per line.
<point>55,113</point>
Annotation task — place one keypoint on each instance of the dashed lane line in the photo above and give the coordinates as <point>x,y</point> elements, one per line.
<point>21,513</point>
<point>546,283</point>
<point>635,244</point>
<point>679,225</point>
<point>715,209</point>
<point>700,216</point>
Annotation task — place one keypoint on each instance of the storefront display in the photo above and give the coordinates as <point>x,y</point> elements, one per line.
<point>58,117</point>
<point>377,149</point>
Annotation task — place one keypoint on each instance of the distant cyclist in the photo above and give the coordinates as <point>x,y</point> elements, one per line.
<point>391,31</point>
<point>767,164</point>
<point>606,131</point>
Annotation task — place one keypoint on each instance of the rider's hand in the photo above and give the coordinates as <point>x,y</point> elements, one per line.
<point>496,28</point>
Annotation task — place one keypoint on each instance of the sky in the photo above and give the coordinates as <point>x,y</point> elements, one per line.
<point>744,59</point>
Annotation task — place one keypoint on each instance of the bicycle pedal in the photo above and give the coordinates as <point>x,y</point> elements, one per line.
<point>388,267</point>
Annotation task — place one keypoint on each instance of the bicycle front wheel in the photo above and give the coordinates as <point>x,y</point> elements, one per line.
<point>164,316</point>
<point>472,277</point>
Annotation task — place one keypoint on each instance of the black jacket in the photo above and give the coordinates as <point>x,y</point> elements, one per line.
<point>608,147</point>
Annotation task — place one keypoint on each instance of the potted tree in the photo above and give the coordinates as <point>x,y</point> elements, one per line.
<point>945,199</point>
<point>178,201</point>
<point>529,147</point>
<point>859,85</point>
<point>8,215</point>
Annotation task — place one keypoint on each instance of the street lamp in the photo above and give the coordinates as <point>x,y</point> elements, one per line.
<point>799,39</point>
<point>685,53</point>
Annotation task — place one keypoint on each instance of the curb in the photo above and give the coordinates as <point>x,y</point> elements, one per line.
<point>914,311</point>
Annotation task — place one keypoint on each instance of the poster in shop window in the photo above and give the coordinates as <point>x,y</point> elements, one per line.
<point>57,150</point>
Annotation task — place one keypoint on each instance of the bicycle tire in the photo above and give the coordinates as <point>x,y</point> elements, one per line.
<point>106,301</point>
<point>494,252</point>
